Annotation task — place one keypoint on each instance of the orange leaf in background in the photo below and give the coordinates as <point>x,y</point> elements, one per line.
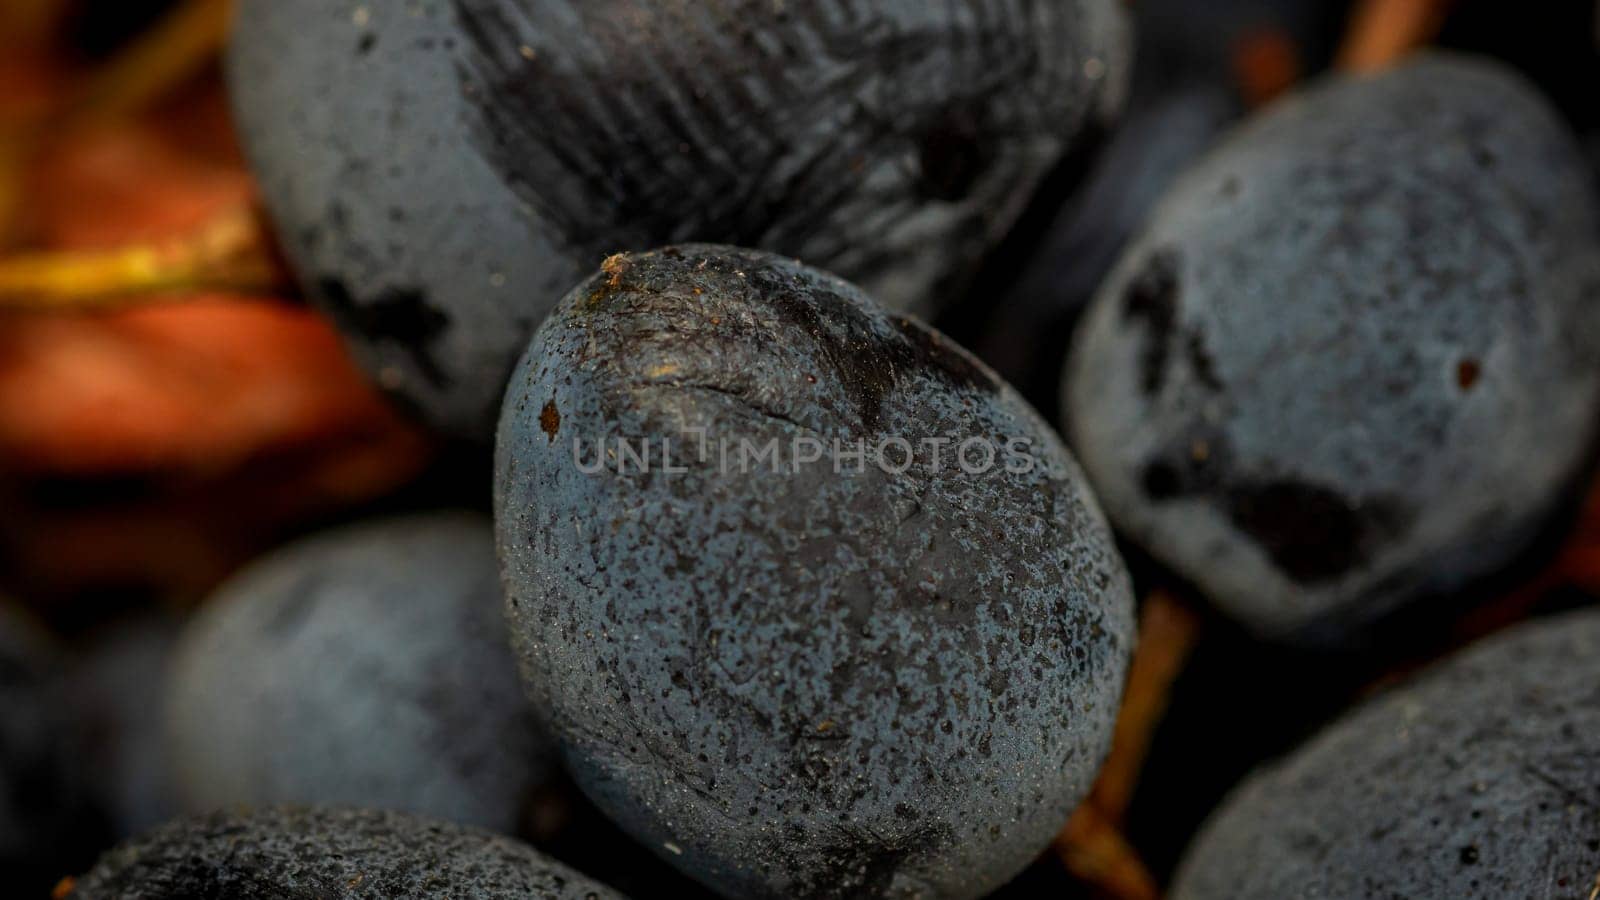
<point>200,386</point>
<point>243,416</point>
<point>117,185</point>
<point>34,82</point>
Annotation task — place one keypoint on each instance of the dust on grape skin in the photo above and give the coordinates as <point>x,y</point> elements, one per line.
<point>367,665</point>
<point>290,853</point>
<point>1476,780</point>
<point>1367,310</point>
<point>809,684</point>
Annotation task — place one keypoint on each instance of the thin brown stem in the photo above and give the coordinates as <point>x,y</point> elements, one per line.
<point>160,60</point>
<point>1092,846</point>
<point>1094,851</point>
<point>1168,631</point>
<point>1382,32</point>
<point>169,54</point>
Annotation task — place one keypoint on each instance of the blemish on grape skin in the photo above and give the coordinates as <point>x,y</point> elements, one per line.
<point>1335,328</point>
<point>550,420</point>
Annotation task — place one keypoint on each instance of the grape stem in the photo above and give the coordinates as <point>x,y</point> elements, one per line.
<point>1092,846</point>
<point>166,56</point>
<point>177,48</point>
<point>1382,32</point>
<point>232,252</point>
<point>1168,632</point>
<point>1094,850</point>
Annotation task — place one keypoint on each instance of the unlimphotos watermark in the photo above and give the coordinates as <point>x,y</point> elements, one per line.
<point>745,455</point>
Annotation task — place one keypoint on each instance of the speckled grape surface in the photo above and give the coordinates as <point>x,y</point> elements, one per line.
<point>815,681</point>
<point>1481,779</point>
<point>1354,355</point>
<point>442,172</point>
<point>367,667</point>
<point>287,853</point>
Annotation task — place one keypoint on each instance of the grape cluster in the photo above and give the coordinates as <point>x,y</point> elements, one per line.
<point>786,594</point>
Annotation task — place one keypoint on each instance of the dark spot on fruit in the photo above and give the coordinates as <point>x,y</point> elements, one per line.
<point>550,420</point>
<point>867,363</point>
<point>1162,481</point>
<point>1205,368</point>
<point>863,863</point>
<point>1152,300</point>
<point>951,363</point>
<point>365,45</point>
<point>1468,371</point>
<point>1469,855</point>
<point>845,340</point>
<point>399,315</point>
<point>1313,534</point>
<point>952,159</point>
<point>1196,465</point>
